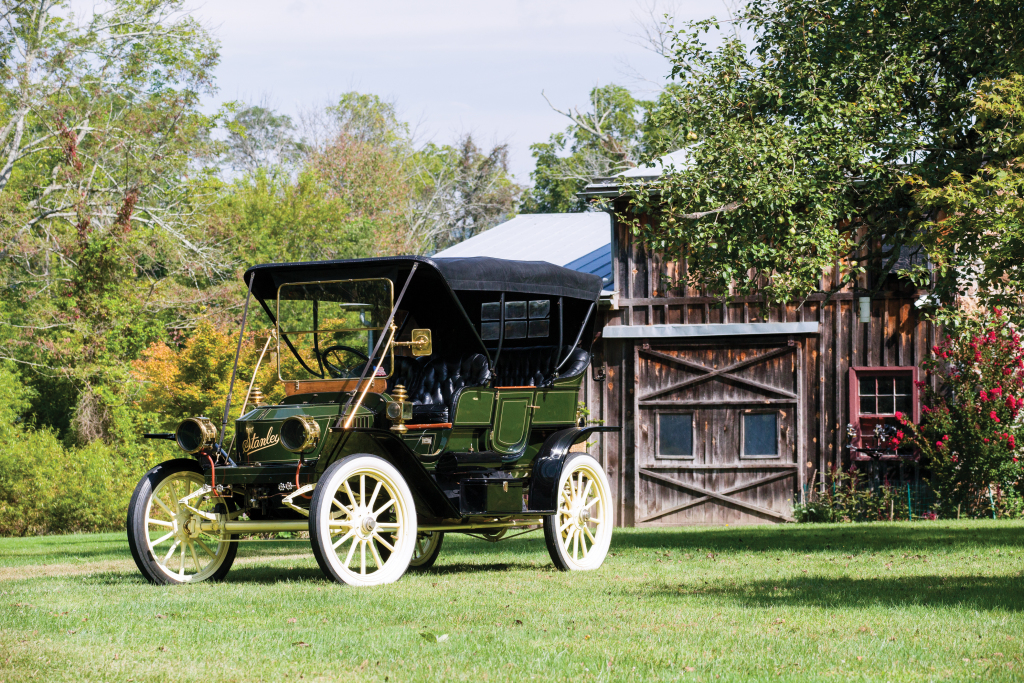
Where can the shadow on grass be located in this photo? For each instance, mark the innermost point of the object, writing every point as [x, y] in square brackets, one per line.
[970, 592]
[879, 537]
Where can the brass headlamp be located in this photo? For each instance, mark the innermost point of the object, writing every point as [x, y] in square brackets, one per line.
[300, 433]
[194, 434]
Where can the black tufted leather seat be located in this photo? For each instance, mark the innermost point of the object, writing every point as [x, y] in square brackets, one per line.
[535, 366]
[433, 384]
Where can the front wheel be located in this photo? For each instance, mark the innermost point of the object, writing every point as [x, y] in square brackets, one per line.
[579, 534]
[362, 522]
[164, 535]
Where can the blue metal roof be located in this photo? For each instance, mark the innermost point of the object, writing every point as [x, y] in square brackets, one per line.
[580, 241]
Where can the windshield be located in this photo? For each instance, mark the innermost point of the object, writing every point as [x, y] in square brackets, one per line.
[331, 327]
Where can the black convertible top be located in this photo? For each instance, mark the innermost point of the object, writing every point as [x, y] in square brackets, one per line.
[482, 274]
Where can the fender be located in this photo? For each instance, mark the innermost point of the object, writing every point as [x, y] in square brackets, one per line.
[429, 497]
[547, 466]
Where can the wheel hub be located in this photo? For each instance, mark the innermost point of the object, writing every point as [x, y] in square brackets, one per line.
[368, 525]
[584, 516]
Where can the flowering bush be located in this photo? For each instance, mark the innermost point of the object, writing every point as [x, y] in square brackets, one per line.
[971, 429]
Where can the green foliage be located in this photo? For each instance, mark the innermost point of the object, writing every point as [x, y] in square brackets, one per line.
[602, 142]
[972, 431]
[271, 216]
[810, 149]
[49, 487]
[848, 497]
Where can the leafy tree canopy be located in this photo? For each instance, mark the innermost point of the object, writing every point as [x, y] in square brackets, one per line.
[848, 135]
[606, 140]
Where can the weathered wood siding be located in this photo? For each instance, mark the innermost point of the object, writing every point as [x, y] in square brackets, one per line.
[651, 290]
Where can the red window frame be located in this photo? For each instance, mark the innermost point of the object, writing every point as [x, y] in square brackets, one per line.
[854, 394]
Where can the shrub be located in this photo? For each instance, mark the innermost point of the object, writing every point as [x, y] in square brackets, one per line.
[847, 498]
[970, 432]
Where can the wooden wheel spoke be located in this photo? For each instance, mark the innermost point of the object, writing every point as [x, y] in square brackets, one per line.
[181, 567]
[387, 545]
[351, 496]
[388, 525]
[206, 549]
[170, 553]
[373, 497]
[156, 499]
[195, 556]
[162, 539]
[376, 553]
[383, 508]
[160, 522]
[567, 523]
[586, 490]
[592, 503]
[351, 551]
[350, 534]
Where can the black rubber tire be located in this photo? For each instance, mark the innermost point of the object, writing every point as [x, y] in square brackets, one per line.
[428, 561]
[137, 530]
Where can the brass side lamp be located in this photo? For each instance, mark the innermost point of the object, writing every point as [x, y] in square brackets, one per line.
[399, 410]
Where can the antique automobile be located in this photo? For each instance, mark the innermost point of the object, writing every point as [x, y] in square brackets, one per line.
[423, 397]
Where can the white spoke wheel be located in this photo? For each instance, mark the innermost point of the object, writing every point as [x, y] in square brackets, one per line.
[428, 546]
[579, 534]
[165, 537]
[362, 522]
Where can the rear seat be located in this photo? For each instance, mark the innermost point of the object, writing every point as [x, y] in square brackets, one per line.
[535, 366]
[433, 384]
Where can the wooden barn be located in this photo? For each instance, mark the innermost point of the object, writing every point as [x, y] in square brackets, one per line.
[732, 411]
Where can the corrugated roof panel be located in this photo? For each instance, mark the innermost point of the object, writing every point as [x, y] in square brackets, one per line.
[580, 241]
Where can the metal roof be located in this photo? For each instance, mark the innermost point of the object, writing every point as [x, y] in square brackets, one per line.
[578, 241]
[709, 330]
[610, 186]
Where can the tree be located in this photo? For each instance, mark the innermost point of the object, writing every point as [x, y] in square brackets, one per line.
[459, 192]
[602, 142]
[815, 148]
[259, 137]
[100, 130]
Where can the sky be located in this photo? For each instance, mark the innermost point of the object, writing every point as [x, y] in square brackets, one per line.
[451, 66]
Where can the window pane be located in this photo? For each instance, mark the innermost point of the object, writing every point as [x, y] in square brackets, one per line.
[903, 385]
[867, 405]
[675, 434]
[885, 385]
[538, 328]
[867, 386]
[540, 309]
[490, 311]
[886, 405]
[489, 331]
[515, 329]
[515, 310]
[903, 404]
[760, 434]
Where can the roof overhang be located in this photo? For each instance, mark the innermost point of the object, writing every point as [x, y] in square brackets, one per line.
[713, 330]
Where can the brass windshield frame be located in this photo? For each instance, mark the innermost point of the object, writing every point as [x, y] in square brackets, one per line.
[277, 324]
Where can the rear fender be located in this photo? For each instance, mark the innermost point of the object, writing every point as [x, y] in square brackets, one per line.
[547, 466]
[429, 498]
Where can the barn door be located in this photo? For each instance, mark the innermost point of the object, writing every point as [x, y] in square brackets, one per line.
[717, 432]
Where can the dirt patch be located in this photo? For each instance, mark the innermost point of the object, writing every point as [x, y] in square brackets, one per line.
[116, 566]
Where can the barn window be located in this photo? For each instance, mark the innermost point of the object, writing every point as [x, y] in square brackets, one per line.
[760, 435]
[884, 394]
[675, 435]
[876, 395]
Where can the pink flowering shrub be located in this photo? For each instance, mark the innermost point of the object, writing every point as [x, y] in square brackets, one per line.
[971, 428]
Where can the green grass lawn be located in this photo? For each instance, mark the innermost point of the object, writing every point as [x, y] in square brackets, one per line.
[887, 602]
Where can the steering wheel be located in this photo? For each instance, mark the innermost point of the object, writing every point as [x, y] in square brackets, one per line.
[334, 370]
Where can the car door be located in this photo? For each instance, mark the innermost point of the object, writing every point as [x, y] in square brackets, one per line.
[512, 417]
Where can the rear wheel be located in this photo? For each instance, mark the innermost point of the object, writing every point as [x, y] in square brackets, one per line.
[164, 534]
[362, 522]
[579, 534]
[428, 547]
